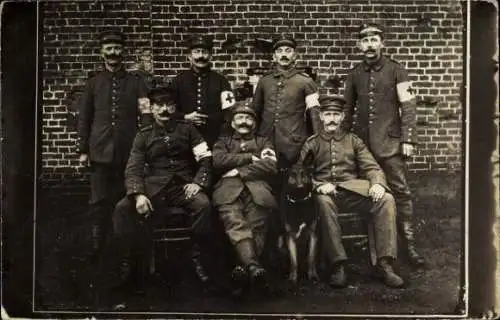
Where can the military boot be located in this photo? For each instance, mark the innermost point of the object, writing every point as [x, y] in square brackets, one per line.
[338, 278]
[246, 252]
[200, 271]
[408, 235]
[385, 272]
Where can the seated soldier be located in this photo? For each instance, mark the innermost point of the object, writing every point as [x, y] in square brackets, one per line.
[161, 172]
[243, 196]
[346, 177]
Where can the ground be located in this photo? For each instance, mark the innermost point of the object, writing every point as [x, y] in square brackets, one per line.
[63, 279]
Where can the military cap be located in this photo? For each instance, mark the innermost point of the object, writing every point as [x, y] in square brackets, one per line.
[242, 107]
[285, 40]
[369, 29]
[161, 95]
[331, 103]
[199, 41]
[111, 36]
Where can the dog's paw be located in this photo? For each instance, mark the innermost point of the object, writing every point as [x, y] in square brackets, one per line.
[292, 277]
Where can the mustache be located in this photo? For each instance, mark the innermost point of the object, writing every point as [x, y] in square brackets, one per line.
[244, 125]
[370, 51]
[205, 60]
[332, 122]
[113, 56]
[284, 59]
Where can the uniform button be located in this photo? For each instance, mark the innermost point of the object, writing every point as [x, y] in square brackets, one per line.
[199, 101]
[199, 108]
[112, 123]
[370, 121]
[199, 95]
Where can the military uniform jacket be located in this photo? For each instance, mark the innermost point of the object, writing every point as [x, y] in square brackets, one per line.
[280, 102]
[207, 92]
[234, 152]
[374, 111]
[342, 159]
[159, 155]
[109, 114]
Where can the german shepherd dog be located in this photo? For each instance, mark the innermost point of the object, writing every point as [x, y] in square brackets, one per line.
[300, 219]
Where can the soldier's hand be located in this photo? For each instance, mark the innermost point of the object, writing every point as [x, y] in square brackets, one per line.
[84, 159]
[407, 149]
[196, 118]
[143, 205]
[376, 192]
[327, 188]
[231, 173]
[191, 189]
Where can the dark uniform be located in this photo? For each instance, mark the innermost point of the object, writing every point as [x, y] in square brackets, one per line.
[381, 110]
[162, 161]
[280, 102]
[205, 91]
[109, 110]
[244, 202]
[342, 159]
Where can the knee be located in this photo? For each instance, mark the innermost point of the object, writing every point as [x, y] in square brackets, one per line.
[324, 204]
[388, 203]
[123, 207]
[202, 202]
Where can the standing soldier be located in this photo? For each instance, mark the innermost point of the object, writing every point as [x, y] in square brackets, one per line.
[282, 100]
[381, 110]
[243, 196]
[110, 107]
[201, 93]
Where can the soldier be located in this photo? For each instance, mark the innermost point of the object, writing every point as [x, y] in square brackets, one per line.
[160, 173]
[111, 104]
[201, 93]
[346, 177]
[283, 99]
[381, 110]
[243, 196]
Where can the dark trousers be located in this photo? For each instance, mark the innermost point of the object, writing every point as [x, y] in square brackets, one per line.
[134, 230]
[106, 188]
[382, 216]
[243, 219]
[396, 172]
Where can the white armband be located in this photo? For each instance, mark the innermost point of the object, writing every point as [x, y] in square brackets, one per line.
[144, 105]
[312, 100]
[405, 91]
[201, 151]
[227, 99]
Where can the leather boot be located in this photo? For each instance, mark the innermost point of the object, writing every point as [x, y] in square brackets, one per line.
[338, 278]
[384, 271]
[200, 271]
[246, 252]
[408, 235]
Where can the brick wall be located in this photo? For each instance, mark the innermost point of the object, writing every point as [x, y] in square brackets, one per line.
[425, 36]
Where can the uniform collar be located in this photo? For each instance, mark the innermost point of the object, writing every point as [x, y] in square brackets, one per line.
[286, 74]
[337, 135]
[120, 73]
[238, 136]
[203, 73]
[379, 64]
[169, 126]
